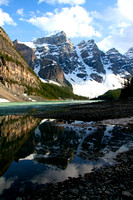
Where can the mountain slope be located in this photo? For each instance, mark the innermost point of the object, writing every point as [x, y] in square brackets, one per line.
[7, 95]
[18, 81]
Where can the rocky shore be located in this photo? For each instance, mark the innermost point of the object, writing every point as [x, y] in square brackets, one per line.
[110, 183]
[90, 111]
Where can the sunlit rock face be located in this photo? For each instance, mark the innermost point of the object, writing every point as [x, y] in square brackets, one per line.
[15, 73]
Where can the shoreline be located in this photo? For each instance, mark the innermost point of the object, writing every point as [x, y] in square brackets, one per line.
[105, 183]
[96, 111]
[113, 182]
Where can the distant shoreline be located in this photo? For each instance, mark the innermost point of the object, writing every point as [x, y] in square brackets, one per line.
[94, 111]
[91, 111]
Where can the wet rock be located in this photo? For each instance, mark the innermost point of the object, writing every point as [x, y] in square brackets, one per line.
[127, 194]
[112, 182]
[74, 191]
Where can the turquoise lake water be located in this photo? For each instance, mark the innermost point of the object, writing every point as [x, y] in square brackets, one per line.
[24, 107]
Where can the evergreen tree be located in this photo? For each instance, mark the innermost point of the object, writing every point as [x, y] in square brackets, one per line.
[127, 91]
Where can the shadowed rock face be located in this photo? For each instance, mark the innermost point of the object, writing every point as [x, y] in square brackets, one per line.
[54, 55]
[59, 49]
[118, 60]
[51, 71]
[91, 55]
[27, 53]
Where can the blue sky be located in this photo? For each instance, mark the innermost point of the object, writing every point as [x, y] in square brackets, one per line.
[108, 22]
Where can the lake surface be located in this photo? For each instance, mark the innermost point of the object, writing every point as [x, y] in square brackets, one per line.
[24, 107]
[40, 151]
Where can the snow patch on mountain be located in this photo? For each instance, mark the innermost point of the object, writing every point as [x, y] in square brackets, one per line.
[37, 68]
[3, 100]
[90, 71]
[49, 81]
[91, 88]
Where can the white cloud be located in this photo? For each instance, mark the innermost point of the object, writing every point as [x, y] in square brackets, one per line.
[122, 10]
[6, 19]
[121, 40]
[5, 183]
[71, 2]
[126, 8]
[20, 12]
[4, 2]
[121, 29]
[74, 21]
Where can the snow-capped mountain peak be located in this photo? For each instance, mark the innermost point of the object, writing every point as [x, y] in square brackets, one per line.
[90, 71]
[129, 53]
[56, 39]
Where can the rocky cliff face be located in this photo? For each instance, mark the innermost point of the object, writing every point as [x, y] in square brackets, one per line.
[15, 73]
[53, 55]
[27, 53]
[91, 55]
[90, 71]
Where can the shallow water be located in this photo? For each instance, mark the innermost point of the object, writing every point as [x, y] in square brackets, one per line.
[35, 151]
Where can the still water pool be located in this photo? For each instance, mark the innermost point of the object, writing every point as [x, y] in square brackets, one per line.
[40, 151]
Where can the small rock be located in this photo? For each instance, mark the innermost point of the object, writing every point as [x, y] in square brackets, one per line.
[127, 194]
[74, 191]
[107, 192]
[59, 197]
[84, 198]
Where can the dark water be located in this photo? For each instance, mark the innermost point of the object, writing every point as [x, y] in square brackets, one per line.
[35, 151]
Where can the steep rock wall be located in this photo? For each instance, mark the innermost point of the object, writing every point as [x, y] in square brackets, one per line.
[14, 70]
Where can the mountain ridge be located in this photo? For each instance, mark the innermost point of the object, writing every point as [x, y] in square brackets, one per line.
[90, 71]
[18, 81]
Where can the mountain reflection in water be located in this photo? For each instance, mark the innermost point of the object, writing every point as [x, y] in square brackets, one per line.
[14, 132]
[35, 151]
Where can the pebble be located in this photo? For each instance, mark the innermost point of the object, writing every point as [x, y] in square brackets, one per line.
[127, 194]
